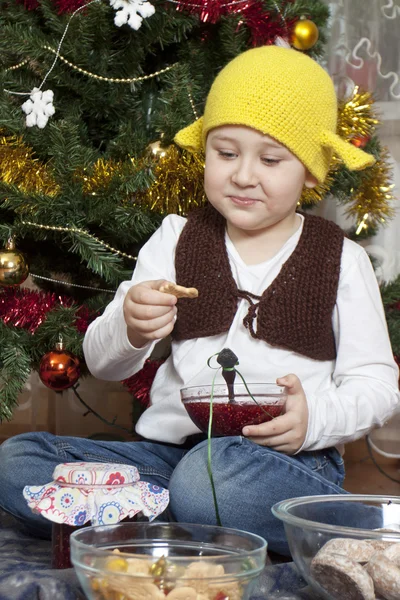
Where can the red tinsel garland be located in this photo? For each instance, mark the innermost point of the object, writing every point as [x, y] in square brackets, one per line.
[140, 384]
[84, 318]
[27, 309]
[63, 6]
[210, 11]
[264, 26]
[29, 4]
[69, 6]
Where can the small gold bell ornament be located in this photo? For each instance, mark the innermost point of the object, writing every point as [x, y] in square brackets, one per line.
[13, 266]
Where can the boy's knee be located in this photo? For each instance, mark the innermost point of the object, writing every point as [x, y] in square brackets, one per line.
[19, 460]
[192, 470]
[244, 476]
[12, 452]
[12, 448]
[14, 458]
[19, 446]
[190, 487]
[21, 465]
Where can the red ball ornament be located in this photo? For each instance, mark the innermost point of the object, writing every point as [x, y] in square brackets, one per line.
[59, 369]
[360, 141]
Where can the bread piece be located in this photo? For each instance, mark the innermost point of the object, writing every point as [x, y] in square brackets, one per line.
[179, 291]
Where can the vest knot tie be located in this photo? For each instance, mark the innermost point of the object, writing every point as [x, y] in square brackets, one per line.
[248, 321]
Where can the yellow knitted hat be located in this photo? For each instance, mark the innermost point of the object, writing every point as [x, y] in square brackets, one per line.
[284, 94]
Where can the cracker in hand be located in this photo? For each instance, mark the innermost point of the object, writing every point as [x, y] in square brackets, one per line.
[179, 291]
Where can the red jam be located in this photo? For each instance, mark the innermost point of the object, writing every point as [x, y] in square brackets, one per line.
[230, 418]
[60, 547]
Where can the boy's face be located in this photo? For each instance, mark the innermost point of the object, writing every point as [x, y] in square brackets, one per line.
[251, 179]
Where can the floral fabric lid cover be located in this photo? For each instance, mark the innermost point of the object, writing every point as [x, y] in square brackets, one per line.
[98, 492]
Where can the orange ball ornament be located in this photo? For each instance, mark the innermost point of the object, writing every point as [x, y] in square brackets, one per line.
[13, 266]
[360, 141]
[305, 34]
[59, 369]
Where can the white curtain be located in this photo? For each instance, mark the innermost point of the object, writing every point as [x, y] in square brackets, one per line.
[364, 46]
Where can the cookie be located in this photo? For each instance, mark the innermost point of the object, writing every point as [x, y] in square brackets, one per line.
[361, 551]
[179, 291]
[385, 575]
[393, 553]
[183, 593]
[342, 577]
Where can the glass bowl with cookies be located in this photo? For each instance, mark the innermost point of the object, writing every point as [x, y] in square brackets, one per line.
[167, 561]
[230, 408]
[345, 546]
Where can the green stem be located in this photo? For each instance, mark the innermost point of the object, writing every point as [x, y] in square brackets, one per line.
[209, 359]
[251, 395]
[209, 453]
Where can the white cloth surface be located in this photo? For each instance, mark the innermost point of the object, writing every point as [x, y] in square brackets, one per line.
[346, 397]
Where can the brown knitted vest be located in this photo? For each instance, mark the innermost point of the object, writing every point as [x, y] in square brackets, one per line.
[294, 312]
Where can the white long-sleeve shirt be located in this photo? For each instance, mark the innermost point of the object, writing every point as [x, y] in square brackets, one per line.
[346, 397]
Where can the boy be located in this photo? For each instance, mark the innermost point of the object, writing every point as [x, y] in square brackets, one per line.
[287, 293]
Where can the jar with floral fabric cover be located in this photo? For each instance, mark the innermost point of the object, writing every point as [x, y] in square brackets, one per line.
[83, 494]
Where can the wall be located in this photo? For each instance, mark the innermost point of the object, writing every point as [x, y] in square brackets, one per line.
[41, 409]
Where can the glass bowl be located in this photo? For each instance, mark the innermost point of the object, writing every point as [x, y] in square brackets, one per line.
[230, 415]
[167, 561]
[339, 543]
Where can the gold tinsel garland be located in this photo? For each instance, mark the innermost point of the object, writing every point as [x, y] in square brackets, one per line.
[356, 119]
[178, 185]
[178, 175]
[312, 196]
[371, 201]
[19, 167]
[99, 176]
[356, 116]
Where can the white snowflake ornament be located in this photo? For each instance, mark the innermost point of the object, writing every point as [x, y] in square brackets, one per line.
[131, 12]
[39, 108]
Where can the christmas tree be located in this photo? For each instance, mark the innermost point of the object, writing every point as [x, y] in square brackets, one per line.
[93, 93]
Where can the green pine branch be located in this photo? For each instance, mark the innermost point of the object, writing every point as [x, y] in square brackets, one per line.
[97, 258]
[391, 301]
[15, 367]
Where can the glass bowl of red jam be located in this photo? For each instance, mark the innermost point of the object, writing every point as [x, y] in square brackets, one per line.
[233, 408]
[167, 561]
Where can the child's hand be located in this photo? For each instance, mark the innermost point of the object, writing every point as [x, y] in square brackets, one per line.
[287, 432]
[148, 313]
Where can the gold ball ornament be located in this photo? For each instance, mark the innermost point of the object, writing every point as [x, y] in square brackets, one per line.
[305, 34]
[156, 151]
[59, 369]
[13, 266]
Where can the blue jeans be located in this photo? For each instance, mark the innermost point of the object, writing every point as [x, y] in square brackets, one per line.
[249, 478]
